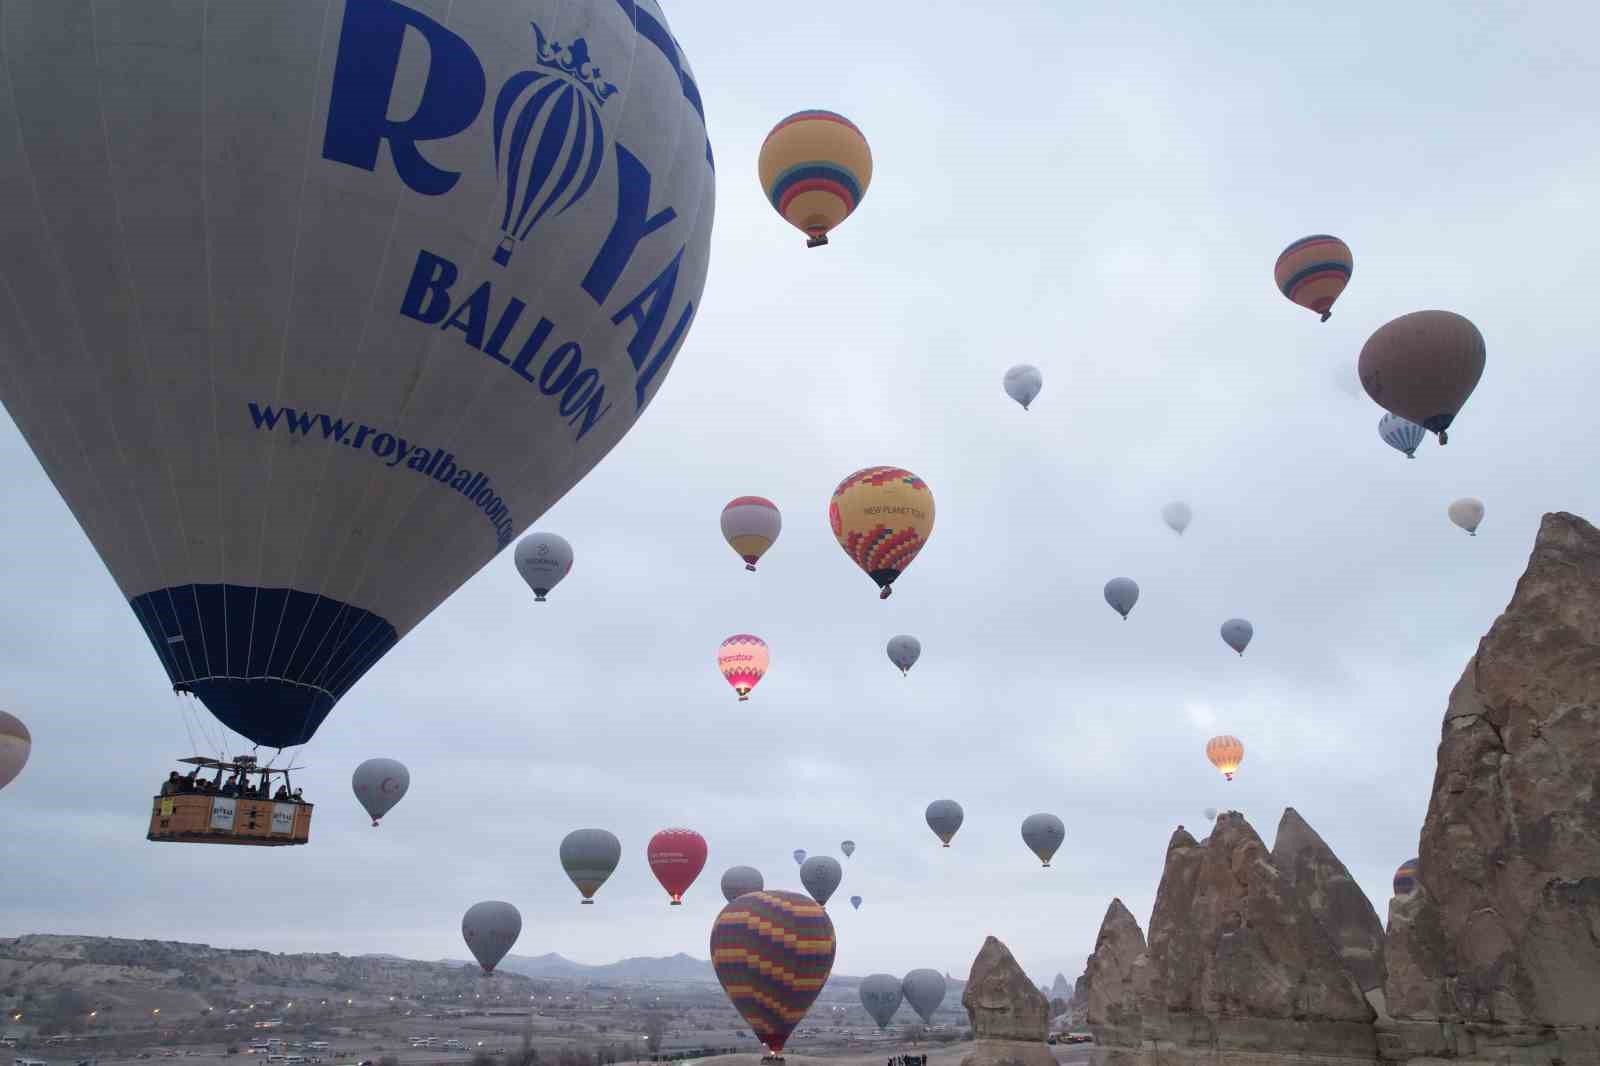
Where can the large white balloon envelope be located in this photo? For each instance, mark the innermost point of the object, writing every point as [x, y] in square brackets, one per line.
[313, 308]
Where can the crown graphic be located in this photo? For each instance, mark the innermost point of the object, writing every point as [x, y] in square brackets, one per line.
[573, 60]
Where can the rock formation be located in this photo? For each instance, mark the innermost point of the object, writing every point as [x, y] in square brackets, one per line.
[1059, 989]
[1112, 1008]
[1325, 887]
[1499, 948]
[1009, 1014]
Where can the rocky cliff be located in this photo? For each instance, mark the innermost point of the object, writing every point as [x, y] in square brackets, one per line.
[1008, 1012]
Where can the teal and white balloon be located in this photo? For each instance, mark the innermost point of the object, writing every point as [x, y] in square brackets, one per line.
[312, 308]
[379, 784]
[1022, 383]
[543, 559]
[904, 651]
[1122, 593]
[1401, 435]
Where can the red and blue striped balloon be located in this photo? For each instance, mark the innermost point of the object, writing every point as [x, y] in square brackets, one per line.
[1313, 271]
[815, 167]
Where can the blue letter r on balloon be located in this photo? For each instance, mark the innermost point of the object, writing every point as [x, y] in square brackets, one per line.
[363, 81]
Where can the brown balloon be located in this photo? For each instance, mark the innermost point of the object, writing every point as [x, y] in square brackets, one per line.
[1423, 366]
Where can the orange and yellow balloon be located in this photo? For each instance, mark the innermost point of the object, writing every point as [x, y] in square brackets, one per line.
[815, 167]
[881, 517]
[1225, 753]
[743, 661]
[1313, 271]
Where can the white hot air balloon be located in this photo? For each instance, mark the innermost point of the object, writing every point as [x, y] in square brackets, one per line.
[904, 651]
[312, 308]
[1022, 383]
[379, 784]
[1468, 514]
[543, 559]
[1401, 435]
[1177, 515]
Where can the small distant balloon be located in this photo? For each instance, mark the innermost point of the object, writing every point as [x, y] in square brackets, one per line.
[751, 524]
[490, 928]
[1401, 435]
[1405, 878]
[799, 856]
[1022, 383]
[855, 901]
[379, 784]
[743, 659]
[589, 857]
[543, 559]
[1043, 833]
[1122, 593]
[904, 651]
[944, 818]
[1313, 271]
[848, 847]
[1211, 814]
[738, 880]
[882, 516]
[1236, 634]
[1177, 516]
[815, 167]
[1423, 366]
[880, 995]
[15, 745]
[676, 857]
[1225, 753]
[1468, 514]
[820, 876]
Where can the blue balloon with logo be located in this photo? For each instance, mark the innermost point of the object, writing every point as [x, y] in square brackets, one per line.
[313, 309]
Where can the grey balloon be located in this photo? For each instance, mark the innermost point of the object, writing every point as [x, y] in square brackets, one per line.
[1043, 833]
[848, 847]
[589, 856]
[1022, 383]
[1236, 633]
[799, 856]
[741, 879]
[904, 651]
[881, 996]
[855, 901]
[490, 928]
[1211, 814]
[944, 818]
[1177, 516]
[820, 875]
[924, 990]
[379, 784]
[1122, 593]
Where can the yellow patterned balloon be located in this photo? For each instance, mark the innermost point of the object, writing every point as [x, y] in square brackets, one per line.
[881, 517]
[815, 167]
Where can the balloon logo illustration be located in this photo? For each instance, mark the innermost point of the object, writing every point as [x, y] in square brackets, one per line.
[548, 141]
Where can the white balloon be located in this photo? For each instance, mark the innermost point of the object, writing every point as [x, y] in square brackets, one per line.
[1467, 513]
[904, 651]
[1022, 383]
[1400, 434]
[543, 559]
[306, 322]
[380, 784]
[1177, 516]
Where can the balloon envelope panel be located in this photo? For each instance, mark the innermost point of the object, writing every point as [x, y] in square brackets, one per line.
[772, 952]
[291, 390]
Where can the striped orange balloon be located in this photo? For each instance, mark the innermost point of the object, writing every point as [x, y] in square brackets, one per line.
[772, 952]
[1225, 753]
[1313, 271]
[815, 167]
[882, 516]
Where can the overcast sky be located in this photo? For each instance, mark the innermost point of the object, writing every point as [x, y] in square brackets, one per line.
[1098, 193]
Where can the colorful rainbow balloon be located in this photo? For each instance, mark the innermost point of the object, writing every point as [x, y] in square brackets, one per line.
[815, 167]
[772, 952]
[1313, 271]
[882, 516]
[743, 660]
[1405, 878]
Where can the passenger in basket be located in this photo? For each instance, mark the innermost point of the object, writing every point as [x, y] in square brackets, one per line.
[172, 784]
[282, 795]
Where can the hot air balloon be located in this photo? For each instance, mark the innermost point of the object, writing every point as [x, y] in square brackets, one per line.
[882, 516]
[773, 952]
[924, 990]
[815, 167]
[904, 651]
[1043, 833]
[1122, 593]
[1423, 366]
[1022, 383]
[589, 856]
[1177, 516]
[1313, 271]
[676, 858]
[543, 559]
[743, 660]
[820, 876]
[1236, 634]
[1468, 514]
[737, 880]
[1405, 878]
[855, 901]
[1401, 435]
[881, 997]
[15, 744]
[1211, 814]
[379, 784]
[848, 847]
[490, 928]
[1225, 753]
[295, 411]
[799, 856]
[750, 524]
[944, 818]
